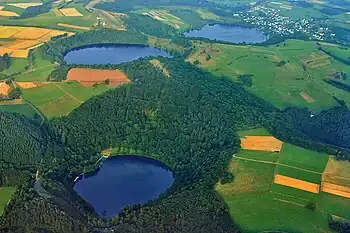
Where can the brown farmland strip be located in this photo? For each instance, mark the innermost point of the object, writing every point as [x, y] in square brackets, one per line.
[296, 183]
[335, 189]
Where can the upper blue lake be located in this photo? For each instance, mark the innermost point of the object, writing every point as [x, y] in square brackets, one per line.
[122, 181]
[111, 54]
[229, 33]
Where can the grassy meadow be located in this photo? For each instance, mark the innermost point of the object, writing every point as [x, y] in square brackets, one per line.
[5, 197]
[257, 204]
[59, 99]
[289, 73]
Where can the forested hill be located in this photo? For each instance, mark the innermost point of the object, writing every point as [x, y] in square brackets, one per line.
[25, 145]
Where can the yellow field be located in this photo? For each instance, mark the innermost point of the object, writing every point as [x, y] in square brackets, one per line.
[8, 13]
[70, 12]
[337, 172]
[25, 5]
[165, 16]
[73, 26]
[4, 89]
[335, 189]
[28, 85]
[264, 143]
[296, 183]
[319, 63]
[1, 7]
[25, 38]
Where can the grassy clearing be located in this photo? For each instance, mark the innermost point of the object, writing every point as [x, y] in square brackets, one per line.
[83, 93]
[42, 94]
[279, 76]
[17, 65]
[5, 197]
[254, 132]
[298, 157]
[24, 109]
[37, 74]
[263, 212]
[250, 177]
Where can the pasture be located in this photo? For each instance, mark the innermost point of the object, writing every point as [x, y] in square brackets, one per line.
[287, 73]
[5, 197]
[22, 108]
[59, 99]
[271, 190]
[89, 77]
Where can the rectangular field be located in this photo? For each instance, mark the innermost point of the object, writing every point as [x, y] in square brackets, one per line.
[296, 183]
[302, 158]
[259, 155]
[73, 26]
[88, 77]
[337, 172]
[338, 190]
[70, 12]
[264, 143]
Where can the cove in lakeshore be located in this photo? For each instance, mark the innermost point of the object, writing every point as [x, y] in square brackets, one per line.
[102, 54]
[229, 33]
[122, 181]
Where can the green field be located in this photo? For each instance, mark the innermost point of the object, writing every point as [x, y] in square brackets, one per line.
[256, 204]
[5, 197]
[302, 158]
[17, 65]
[59, 99]
[259, 155]
[281, 74]
[255, 208]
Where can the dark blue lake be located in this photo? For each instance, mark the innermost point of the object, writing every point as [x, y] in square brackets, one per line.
[111, 54]
[122, 181]
[229, 33]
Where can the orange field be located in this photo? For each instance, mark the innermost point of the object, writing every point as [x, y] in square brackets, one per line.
[70, 12]
[25, 39]
[335, 189]
[8, 13]
[88, 77]
[296, 183]
[264, 143]
[4, 89]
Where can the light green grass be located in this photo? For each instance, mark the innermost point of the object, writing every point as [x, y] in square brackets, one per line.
[250, 177]
[59, 107]
[24, 109]
[15, 9]
[298, 193]
[299, 174]
[42, 94]
[261, 212]
[259, 155]
[254, 132]
[298, 157]
[83, 93]
[37, 74]
[5, 197]
[17, 65]
[280, 85]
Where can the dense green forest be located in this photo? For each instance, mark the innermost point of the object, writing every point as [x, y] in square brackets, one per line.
[5, 62]
[184, 120]
[36, 10]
